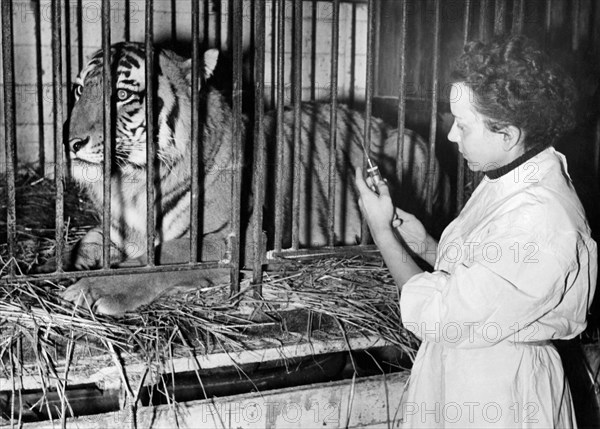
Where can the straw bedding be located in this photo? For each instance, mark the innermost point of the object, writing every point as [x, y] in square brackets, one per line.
[38, 329]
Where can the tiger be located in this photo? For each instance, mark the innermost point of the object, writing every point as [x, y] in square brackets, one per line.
[172, 184]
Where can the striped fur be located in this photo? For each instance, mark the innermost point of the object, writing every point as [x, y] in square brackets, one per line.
[409, 190]
[172, 186]
[173, 128]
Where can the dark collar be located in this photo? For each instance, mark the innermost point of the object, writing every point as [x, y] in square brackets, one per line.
[501, 171]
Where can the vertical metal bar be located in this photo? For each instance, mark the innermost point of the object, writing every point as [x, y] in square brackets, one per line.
[460, 162]
[518, 12]
[237, 128]
[434, 107]
[58, 124]
[352, 90]
[39, 86]
[259, 140]
[174, 20]
[281, 143]
[68, 54]
[150, 149]
[107, 92]
[368, 95]
[127, 26]
[575, 24]
[597, 149]
[195, 135]
[335, 53]
[10, 134]
[499, 16]
[376, 45]
[483, 14]
[218, 16]
[402, 94]
[273, 54]
[297, 87]
[79, 34]
[548, 19]
[313, 48]
[206, 21]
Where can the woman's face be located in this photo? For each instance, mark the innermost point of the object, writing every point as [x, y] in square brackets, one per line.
[482, 149]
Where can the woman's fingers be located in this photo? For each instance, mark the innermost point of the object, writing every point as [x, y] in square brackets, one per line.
[361, 185]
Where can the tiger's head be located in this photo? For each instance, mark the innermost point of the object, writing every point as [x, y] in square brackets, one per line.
[128, 97]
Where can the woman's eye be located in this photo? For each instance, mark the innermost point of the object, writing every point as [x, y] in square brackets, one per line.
[123, 94]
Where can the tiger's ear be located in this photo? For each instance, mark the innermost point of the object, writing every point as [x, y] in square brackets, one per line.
[210, 63]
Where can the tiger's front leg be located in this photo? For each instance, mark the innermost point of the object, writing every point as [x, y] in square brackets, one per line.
[122, 293]
[88, 254]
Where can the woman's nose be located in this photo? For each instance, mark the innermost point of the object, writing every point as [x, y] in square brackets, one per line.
[453, 133]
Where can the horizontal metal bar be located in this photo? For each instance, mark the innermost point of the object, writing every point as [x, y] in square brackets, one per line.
[118, 271]
[322, 252]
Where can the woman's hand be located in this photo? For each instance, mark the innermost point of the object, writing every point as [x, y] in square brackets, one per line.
[378, 211]
[376, 207]
[415, 235]
[410, 228]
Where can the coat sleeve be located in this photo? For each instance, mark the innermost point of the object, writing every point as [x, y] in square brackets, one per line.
[505, 288]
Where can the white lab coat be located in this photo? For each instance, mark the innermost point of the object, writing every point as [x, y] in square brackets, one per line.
[514, 270]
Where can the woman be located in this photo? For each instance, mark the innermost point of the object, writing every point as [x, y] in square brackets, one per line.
[516, 269]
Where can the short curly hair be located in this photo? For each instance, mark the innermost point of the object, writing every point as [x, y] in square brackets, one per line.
[515, 83]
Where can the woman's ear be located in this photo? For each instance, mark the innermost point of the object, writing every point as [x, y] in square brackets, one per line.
[512, 136]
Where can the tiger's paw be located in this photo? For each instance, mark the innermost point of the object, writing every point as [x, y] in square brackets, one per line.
[123, 293]
[104, 297]
[88, 251]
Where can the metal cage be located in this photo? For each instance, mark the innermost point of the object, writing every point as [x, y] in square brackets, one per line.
[392, 55]
[439, 28]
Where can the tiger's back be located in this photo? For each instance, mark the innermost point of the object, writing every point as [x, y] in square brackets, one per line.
[409, 189]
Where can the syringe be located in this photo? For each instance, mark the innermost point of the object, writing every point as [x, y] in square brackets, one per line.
[372, 169]
[373, 172]
[375, 175]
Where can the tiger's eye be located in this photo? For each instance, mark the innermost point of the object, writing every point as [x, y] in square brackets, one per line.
[122, 94]
[77, 90]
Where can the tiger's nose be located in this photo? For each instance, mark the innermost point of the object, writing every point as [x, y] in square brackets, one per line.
[77, 143]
